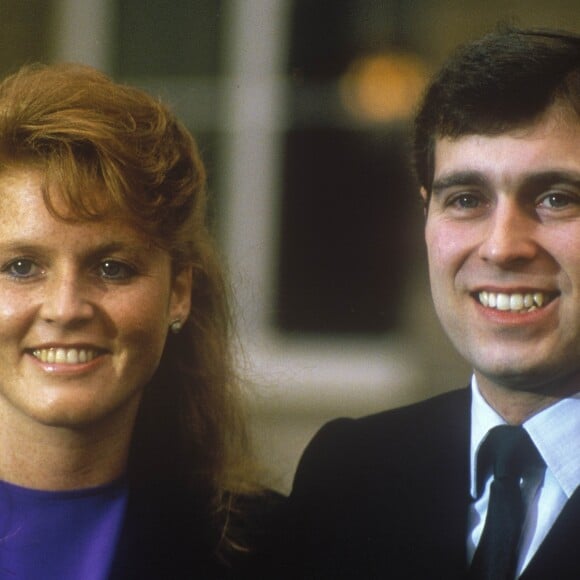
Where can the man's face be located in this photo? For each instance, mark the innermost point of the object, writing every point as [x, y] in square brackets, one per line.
[503, 241]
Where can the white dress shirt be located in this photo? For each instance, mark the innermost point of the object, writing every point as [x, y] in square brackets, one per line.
[556, 433]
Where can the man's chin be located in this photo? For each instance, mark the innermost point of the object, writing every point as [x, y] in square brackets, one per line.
[540, 381]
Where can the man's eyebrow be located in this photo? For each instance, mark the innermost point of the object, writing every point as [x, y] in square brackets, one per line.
[548, 178]
[458, 178]
[537, 179]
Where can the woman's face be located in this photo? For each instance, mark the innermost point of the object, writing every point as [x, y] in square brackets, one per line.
[84, 312]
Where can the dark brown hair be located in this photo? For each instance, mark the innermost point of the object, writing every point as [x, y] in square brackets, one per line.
[503, 81]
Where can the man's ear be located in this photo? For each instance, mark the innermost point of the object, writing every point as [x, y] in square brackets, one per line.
[425, 198]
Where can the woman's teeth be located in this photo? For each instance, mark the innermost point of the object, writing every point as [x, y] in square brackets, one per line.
[70, 356]
[513, 302]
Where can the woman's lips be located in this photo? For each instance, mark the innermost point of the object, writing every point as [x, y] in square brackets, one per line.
[62, 355]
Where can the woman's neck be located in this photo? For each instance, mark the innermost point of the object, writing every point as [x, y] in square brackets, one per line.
[58, 458]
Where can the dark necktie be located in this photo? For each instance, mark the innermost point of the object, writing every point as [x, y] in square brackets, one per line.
[512, 454]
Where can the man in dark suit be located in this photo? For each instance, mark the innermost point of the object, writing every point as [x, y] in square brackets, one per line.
[481, 481]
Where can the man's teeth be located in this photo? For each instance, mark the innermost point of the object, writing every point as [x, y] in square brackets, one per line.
[513, 302]
[71, 356]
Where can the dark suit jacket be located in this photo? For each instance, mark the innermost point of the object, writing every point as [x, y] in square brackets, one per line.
[387, 497]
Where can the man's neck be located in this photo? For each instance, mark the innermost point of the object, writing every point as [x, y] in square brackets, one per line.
[516, 404]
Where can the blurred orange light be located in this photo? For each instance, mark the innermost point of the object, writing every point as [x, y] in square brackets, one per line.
[383, 87]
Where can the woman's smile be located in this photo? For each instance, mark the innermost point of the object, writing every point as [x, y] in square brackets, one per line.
[65, 355]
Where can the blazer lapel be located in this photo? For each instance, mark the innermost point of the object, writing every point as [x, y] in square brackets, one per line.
[165, 535]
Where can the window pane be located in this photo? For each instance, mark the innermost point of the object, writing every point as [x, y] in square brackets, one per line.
[348, 196]
[157, 38]
[25, 27]
[346, 207]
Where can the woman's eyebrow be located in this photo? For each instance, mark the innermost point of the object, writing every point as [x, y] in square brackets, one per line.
[25, 245]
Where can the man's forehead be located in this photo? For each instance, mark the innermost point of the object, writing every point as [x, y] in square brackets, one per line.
[550, 143]
[561, 118]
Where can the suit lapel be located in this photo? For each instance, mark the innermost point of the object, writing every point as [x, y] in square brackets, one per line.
[448, 519]
[559, 555]
[434, 498]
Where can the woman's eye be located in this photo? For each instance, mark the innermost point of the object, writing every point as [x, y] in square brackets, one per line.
[115, 270]
[21, 268]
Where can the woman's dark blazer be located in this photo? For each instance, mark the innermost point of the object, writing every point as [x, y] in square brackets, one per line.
[169, 535]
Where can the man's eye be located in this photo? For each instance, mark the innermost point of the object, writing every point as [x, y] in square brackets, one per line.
[21, 268]
[466, 201]
[556, 201]
[115, 270]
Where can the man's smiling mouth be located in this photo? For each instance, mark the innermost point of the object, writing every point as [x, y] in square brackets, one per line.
[514, 302]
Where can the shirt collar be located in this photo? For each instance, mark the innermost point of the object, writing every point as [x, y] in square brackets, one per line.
[555, 431]
[483, 418]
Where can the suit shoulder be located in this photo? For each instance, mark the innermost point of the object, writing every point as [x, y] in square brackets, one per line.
[422, 418]
[433, 410]
[346, 446]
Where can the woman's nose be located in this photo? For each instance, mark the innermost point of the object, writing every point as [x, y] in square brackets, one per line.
[65, 299]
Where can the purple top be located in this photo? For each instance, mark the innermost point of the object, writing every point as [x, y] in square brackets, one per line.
[64, 535]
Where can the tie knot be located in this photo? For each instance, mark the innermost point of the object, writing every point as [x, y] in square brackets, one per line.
[509, 452]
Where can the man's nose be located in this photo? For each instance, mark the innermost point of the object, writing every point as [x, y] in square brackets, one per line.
[509, 237]
[66, 299]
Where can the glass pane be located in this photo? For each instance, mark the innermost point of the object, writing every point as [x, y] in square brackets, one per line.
[346, 206]
[348, 195]
[157, 38]
[25, 27]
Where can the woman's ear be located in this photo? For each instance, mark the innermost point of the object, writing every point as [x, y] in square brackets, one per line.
[180, 300]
